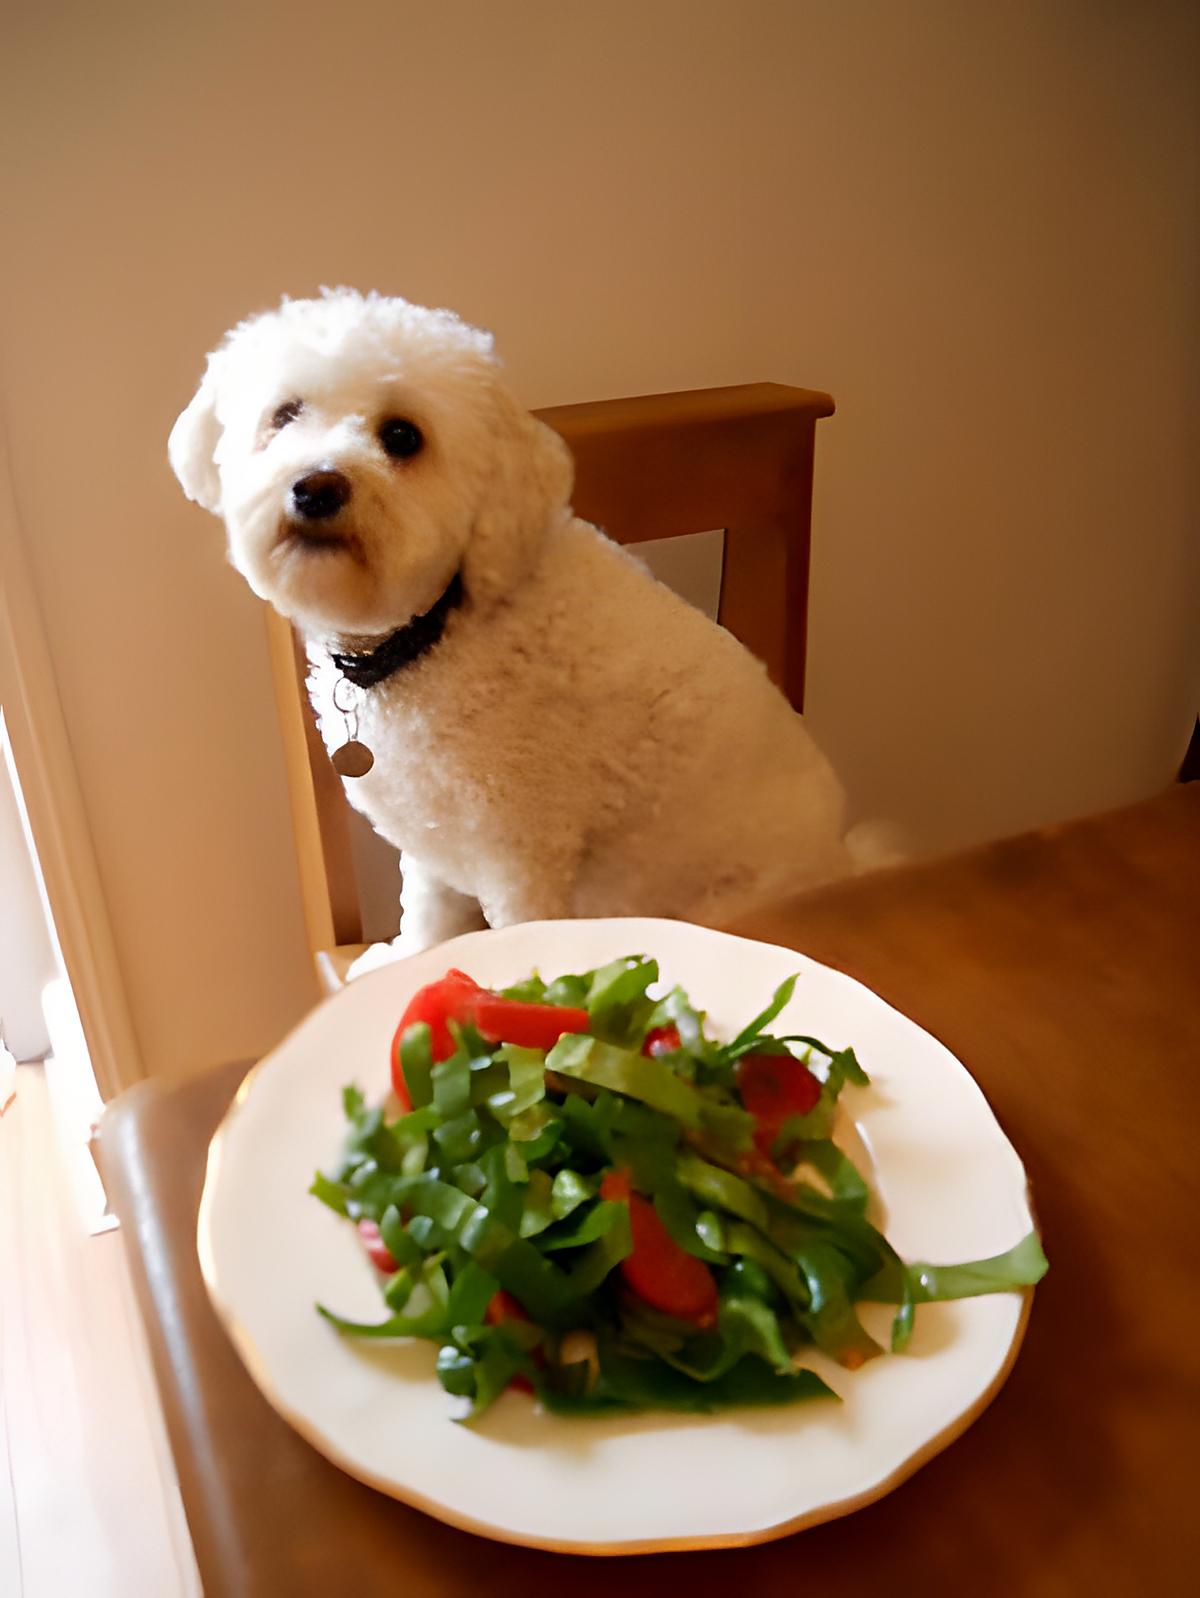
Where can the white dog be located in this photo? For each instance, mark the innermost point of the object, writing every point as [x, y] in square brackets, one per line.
[554, 732]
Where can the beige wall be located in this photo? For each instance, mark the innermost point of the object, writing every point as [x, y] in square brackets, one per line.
[973, 223]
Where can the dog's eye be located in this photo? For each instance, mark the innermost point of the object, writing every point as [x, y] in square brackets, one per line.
[400, 438]
[286, 413]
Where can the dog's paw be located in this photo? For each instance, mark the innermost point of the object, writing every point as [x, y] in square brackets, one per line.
[379, 954]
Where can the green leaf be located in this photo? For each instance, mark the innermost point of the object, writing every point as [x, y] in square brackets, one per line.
[902, 1327]
[619, 1008]
[748, 1037]
[470, 1177]
[723, 1190]
[570, 991]
[641, 1383]
[746, 1279]
[489, 1082]
[370, 1139]
[844, 1067]
[651, 1082]
[681, 1217]
[676, 1010]
[832, 1319]
[745, 1326]
[415, 1123]
[569, 1191]
[615, 986]
[331, 1193]
[752, 1327]
[452, 1085]
[746, 1240]
[586, 1226]
[588, 1127]
[397, 1240]
[531, 1126]
[426, 1233]
[537, 1214]
[622, 1071]
[460, 1137]
[503, 1198]
[416, 1063]
[369, 1190]
[515, 1262]
[429, 1321]
[516, 1166]
[1021, 1266]
[710, 1229]
[471, 1291]
[526, 1079]
[480, 1362]
[598, 1259]
[399, 1288]
[813, 1127]
[456, 1371]
[838, 1170]
[649, 1153]
[428, 1324]
[653, 1329]
[531, 991]
[833, 1067]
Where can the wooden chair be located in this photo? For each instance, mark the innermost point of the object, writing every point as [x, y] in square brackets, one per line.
[651, 467]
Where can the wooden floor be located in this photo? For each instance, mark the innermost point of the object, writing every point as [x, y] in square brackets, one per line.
[89, 1504]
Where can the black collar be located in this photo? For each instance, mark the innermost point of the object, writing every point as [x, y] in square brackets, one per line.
[408, 643]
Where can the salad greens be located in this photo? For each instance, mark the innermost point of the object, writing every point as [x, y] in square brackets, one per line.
[528, 1195]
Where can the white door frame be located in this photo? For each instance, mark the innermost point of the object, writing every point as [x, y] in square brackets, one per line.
[57, 816]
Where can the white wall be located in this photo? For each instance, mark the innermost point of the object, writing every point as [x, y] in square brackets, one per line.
[974, 224]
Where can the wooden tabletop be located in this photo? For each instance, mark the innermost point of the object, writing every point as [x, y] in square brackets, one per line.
[1063, 968]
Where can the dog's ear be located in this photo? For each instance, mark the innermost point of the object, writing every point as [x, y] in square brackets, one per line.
[193, 442]
[527, 487]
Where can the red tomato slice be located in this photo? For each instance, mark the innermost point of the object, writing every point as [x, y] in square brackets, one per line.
[503, 1307]
[615, 1186]
[458, 997]
[661, 1040]
[448, 999]
[377, 1250]
[533, 1026]
[660, 1272]
[772, 1088]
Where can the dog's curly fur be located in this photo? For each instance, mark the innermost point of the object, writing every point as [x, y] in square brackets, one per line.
[580, 742]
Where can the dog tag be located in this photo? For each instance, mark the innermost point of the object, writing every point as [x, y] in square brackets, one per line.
[352, 759]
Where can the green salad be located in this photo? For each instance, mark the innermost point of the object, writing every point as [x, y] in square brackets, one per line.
[575, 1190]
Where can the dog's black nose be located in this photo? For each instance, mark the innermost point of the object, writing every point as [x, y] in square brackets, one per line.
[320, 494]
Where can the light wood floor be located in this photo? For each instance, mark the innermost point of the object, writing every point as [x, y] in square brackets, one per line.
[89, 1503]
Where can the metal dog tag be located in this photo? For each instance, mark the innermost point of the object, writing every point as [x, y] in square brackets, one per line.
[352, 759]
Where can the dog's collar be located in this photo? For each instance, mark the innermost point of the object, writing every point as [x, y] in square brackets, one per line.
[369, 667]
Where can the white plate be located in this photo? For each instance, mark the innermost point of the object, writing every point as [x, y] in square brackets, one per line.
[951, 1187]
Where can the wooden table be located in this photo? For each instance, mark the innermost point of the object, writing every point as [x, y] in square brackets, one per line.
[1063, 967]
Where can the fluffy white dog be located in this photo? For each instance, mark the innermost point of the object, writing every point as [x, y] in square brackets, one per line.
[554, 732]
